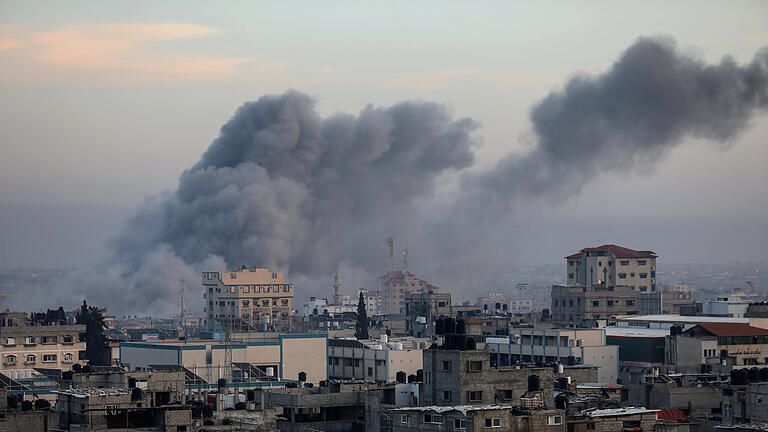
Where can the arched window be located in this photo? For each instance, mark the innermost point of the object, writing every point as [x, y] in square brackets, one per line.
[30, 358]
[68, 357]
[10, 359]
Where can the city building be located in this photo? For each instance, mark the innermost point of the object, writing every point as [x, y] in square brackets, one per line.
[263, 358]
[477, 418]
[611, 265]
[745, 403]
[565, 346]
[497, 303]
[742, 343]
[395, 284]
[614, 419]
[466, 377]
[725, 307]
[422, 309]
[249, 294]
[24, 347]
[378, 361]
[335, 406]
[581, 306]
[666, 321]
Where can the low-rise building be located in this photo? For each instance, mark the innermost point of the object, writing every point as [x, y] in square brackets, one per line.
[477, 418]
[456, 377]
[745, 403]
[378, 361]
[422, 309]
[566, 346]
[742, 343]
[337, 406]
[497, 303]
[614, 419]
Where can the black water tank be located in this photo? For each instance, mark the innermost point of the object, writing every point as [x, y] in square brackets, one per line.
[291, 385]
[208, 411]
[562, 382]
[738, 377]
[400, 377]
[450, 326]
[222, 382]
[420, 375]
[26, 405]
[440, 326]
[251, 395]
[471, 344]
[534, 383]
[571, 360]
[13, 401]
[449, 341]
[131, 382]
[764, 374]
[136, 394]
[42, 403]
[675, 330]
[308, 385]
[76, 367]
[302, 376]
[323, 383]
[703, 368]
[460, 327]
[461, 342]
[754, 374]
[86, 369]
[411, 378]
[561, 402]
[240, 406]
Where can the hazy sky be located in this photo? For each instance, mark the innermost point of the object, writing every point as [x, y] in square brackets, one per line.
[104, 103]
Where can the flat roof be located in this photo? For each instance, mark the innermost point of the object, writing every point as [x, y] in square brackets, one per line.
[683, 319]
[618, 411]
[464, 409]
[635, 332]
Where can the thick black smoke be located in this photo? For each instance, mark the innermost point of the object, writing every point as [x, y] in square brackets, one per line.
[283, 187]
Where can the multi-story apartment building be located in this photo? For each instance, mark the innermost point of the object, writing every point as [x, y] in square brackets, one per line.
[611, 265]
[394, 286]
[25, 347]
[250, 294]
[602, 283]
[422, 309]
[455, 377]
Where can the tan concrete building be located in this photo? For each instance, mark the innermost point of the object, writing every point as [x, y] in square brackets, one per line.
[374, 360]
[24, 347]
[271, 357]
[603, 282]
[250, 294]
[611, 265]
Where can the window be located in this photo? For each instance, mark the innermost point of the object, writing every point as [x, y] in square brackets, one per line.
[590, 426]
[447, 396]
[570, 275]
[286, 288]
[233, 288]
[475, 366]
[441, 304]
[446, 366]
[555, 420]
[653, 273]
[265, 302]
[624, 262]
[68, 357]
[49, 358]
[284, 302]
[570, 263]
[370, 371]
[233, 275]
[357, 362]
[641, 262]
[610, 302]
[29, 340]
[246, 302]
[30, 358]
[459, 424]
[643, 288]
[81, 355]
[630, 302]
[643, 275]
[10, 359]
[631, 275]
[405, 419]
[507, 394]
[433, 418]
[10, 341]
[596, 303]
[475, 396]
[493, 422]
[246, 288]
[622, 275]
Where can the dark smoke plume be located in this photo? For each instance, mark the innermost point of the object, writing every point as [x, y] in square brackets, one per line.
[283, 187]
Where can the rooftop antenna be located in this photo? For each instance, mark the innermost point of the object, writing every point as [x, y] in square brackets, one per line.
[391, 273]
[405, 260]
[181, 303]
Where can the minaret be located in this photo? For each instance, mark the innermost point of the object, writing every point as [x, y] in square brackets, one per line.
[336, 290]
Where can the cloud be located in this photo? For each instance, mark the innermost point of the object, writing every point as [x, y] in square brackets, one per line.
[112, 54]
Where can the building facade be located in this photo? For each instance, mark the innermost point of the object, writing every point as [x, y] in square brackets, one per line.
[499, 304]
[252, 295]
[394, 286]
[25, 347]
[611, 265]
[380, 362]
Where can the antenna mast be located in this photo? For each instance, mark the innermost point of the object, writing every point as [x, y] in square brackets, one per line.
[182, 312]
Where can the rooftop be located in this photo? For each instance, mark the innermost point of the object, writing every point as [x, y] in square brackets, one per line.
[464, 409]
[682, 319]
[618, 411]
[635, 332]
[85, 392]
[730, 329]
[617, 251]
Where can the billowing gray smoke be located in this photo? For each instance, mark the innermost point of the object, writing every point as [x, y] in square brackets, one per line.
[283, 187]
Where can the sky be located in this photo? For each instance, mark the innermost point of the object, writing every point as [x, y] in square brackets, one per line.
[103, 104]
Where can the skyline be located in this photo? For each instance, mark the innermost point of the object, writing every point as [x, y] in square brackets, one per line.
[103, 109]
